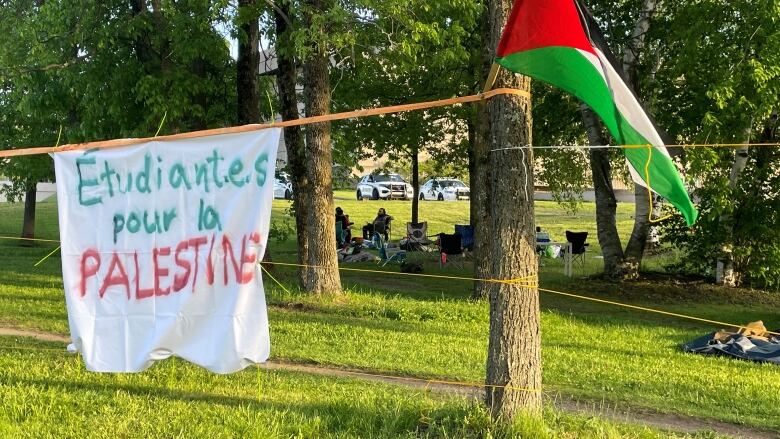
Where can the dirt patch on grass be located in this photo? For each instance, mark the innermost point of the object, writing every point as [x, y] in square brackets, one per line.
[38, 335]
[656, 420]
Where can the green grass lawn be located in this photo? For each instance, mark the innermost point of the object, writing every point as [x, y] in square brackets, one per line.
[48, 394]
[406, 326]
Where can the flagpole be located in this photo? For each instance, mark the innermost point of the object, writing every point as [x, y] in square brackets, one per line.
[491, 79]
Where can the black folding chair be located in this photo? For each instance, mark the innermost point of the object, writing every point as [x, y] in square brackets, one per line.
[578, 246]
[450, 250]
[383, 228]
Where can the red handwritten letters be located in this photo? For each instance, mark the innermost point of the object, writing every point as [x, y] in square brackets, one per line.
[173, 269]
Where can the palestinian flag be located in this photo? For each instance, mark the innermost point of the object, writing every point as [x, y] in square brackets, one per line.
[556, 41]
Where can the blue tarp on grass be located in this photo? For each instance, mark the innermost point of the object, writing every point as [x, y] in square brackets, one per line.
[760, 349]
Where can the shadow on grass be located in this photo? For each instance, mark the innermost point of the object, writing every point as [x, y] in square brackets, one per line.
[34, 278]
[34, 297]
[367, 323]
[335, 414]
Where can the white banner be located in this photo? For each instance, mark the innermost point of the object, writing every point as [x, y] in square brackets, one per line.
[159, 249]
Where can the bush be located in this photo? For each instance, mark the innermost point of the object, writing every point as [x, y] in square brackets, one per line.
[750, 212]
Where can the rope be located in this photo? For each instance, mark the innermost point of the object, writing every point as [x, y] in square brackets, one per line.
[162, 122]
[525, 282]
[29, 239]
[681, 145]
[650, 191]
[528, 281]
[531, 282]
[274, 279]
[47, 256]
[650, 310]
[106, 144]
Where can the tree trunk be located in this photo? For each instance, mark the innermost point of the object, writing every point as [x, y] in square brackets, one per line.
[636, 42]
[514, 346]
[319, 163]
[606, 202]
[725, 266]
[28, 225]
[635, 249]
[287, 79]
[472, 170]
[199, 121]
[142, 43]
[637, 242]
[480, 174]
[248, 63]
[415, 156]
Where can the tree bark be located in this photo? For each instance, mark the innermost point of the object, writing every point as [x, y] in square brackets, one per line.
[287, 79]
[28, 225]
[635, 249]
[415, 156]
[637, 242]
[319, 164]
[248, 63]
[725, 273]
[606, 202]
[636, 42]
[514, 346]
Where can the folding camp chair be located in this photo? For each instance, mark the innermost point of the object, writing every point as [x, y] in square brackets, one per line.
[450, 250]
[386, 255]
[383, 228]
[578, 246]
[466, 231]
[417, 236]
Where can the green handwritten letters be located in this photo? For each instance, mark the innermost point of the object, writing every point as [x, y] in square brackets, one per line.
[100, 179]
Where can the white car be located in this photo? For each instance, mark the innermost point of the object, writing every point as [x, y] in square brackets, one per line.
[283, 187]
[444, 189]
[384, 186]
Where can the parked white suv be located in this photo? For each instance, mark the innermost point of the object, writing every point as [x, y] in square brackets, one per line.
[444, 189]
[283, 187]
[384, 186]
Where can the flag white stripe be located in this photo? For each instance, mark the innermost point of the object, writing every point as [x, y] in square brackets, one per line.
[625, 101]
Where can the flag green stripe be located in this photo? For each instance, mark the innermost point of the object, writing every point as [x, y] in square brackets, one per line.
[568, 69]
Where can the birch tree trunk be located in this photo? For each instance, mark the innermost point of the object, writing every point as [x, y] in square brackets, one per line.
[606, 202]
[636, 42]
[635, 249]
[321, 225]
[514, 348]
[725, 273]
[287, 79]
[637, 242]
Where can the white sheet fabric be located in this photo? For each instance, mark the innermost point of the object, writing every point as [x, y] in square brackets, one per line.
[159, 249]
